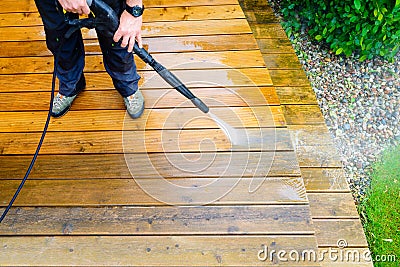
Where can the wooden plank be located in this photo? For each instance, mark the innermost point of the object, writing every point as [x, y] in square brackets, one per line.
[152, 29]
[270, 30]
[254, 5]
[332, 205]
[282, 61]
[173, 220]
[150, 79]
[157, 98]
[303, 114]
[325, 180]
[318, 156]
[330, 231]
[116, 192]
[235, 42]
[310, 135]
[261, 16]
[268, 46]
[151, 15]
[296, 95]
[180, 118]
[291, 78]
[29, 5]
[150, 250]
[172, 61]
[206, 140]
[240, 164]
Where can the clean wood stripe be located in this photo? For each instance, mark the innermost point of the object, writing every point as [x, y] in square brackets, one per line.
[174, 220]
[109, 192]
[150, 250]
[153, 29]
[29, 5]
[205, 140]
[151, 15]
[324, 179]
[172, 61]
[223, 164]
[179, 118]
[157, 98]
[236, 42]
[150, 79]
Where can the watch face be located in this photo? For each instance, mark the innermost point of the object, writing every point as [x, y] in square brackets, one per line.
[137, 11]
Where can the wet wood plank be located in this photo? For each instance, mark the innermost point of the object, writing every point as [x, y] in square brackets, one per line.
[235, 42]
[261, 16]
[223, 164]
[281, 45]
[205, 140]
[172, 61]
[29, 5]
[247, 77]
[187, 118]
[173, 220]
[151, 15]
[129, 191]
[310, 135]
[303, 114]
[157, 98]
[282, 61]
[330, 231]
[151, 250]
[152, 29]
[325, 180]
[332, 205]
[289, 78]
[270, 30]
[296, 95]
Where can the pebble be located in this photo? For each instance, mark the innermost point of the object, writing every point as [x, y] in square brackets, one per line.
[359, 100]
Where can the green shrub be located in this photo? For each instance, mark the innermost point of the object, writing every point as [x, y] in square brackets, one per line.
[366, 27]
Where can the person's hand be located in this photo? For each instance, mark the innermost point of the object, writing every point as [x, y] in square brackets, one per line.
[75, 6]
[130, 29]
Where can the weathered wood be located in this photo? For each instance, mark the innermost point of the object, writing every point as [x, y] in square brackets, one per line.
[296, 95]
[111, 192]
[151, 15]
[174, 220]
[180, 118]
[29, 5]
[303, 114]
[270, 30]
[235, 42]
[261, 16]
[330, 231]
[152, 29]
[332, 205]
[289, 78]
[151, 250]
[157, 98]
[223, 164]
[318, 156]
[172, 61]
[254, 5]
[282, 61]
[310, 135]
[324, 180]
[150, 79]
[205, 140]
[278, 46]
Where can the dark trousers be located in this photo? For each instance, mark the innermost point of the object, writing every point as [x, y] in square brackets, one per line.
[117, 61]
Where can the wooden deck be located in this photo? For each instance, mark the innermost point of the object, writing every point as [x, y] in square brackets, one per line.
[170, 189]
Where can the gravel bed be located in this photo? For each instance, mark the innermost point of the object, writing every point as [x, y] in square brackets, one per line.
[360, 102]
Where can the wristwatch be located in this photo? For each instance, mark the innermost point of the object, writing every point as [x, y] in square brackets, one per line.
[135, 11]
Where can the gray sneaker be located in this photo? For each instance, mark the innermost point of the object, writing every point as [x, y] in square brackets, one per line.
[134, 104]
[61, 105]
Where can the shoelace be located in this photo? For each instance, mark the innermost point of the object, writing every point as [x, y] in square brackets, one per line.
[134, 100]
[58, 101]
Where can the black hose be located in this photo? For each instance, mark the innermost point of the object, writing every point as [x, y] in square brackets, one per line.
[46, 126]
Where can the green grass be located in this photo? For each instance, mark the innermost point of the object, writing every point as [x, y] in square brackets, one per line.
[380, 209]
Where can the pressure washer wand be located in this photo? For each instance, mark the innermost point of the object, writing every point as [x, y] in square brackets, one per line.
[106, 21]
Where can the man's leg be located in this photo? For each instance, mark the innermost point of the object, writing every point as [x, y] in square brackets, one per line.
[120, 65]
[70, 58]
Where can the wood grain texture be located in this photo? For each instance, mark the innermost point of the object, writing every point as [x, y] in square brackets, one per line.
[332, 205]
[247, 77]
[150, 250]
[128, 192]
[296, 95]
[223, 164]
[325, 180]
